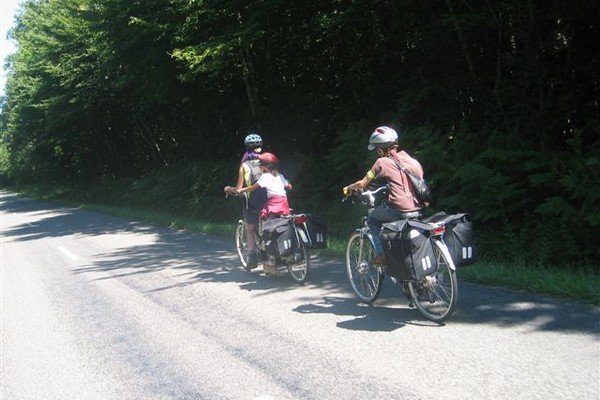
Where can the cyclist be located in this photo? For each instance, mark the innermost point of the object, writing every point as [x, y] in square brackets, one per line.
[253, 144]
[248, 174]
[402, 201]
[277, 203]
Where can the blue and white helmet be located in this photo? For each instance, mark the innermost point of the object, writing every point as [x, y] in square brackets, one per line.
[253, 140]
[383, 137]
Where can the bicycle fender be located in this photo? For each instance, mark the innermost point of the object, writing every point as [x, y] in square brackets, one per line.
[303, 236]
[444, 249]
[366, 233]
[369, 236]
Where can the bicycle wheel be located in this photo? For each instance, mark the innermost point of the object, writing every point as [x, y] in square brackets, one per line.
[365, 278]
[241, 244]
[435, 296]
[299, 264]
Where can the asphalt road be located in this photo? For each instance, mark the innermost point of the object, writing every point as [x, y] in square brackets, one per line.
[99, 307]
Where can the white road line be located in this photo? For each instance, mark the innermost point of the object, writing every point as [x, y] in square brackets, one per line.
[68, 253]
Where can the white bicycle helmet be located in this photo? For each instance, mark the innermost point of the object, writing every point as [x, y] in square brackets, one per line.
[253, 140]
[383, 137]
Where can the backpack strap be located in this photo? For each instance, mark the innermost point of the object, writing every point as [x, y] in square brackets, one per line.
[403, 168]
[407, 172]
[419, 185]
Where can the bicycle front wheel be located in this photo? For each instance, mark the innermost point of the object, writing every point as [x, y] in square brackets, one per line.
[435, 295]
[365, 278]
[241, 244]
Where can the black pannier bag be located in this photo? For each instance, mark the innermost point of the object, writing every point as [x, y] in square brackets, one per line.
[317, 232]
[460, 239]
[279, 236]
[408, 249]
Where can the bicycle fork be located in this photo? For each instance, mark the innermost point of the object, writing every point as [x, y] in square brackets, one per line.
[365, 234]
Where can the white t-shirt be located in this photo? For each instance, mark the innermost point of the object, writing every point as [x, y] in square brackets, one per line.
[275, 185]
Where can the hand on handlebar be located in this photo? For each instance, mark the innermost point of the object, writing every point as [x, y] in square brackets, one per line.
[347, 191]
[231, 190]
[362, 194]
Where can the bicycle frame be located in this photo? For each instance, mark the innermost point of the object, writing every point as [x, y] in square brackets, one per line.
[365, 232]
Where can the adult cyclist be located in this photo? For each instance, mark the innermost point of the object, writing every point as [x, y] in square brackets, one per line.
[248, 174]
[402, 201]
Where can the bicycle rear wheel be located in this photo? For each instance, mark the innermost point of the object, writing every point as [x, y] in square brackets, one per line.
[366, 279]
[241, 244]
[435, 295]
[299, 264]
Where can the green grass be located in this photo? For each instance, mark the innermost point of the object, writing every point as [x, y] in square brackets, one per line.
[579, 284]
[582, 285]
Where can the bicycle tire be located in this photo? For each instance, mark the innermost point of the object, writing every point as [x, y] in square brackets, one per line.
[241, 244]
[435, 296]
[299, 271]
[365, 279]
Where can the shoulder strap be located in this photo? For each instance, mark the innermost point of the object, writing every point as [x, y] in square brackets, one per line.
[403, 168]
[253, 170]
[411, 177]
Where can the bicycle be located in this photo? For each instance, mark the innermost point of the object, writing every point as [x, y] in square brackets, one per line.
[435, 295]
[297, 263]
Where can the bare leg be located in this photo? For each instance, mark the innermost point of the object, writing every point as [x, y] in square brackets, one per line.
[251, 237]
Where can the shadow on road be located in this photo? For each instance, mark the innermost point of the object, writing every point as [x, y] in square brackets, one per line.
[56, 221]
[203, 258]
[366, 317]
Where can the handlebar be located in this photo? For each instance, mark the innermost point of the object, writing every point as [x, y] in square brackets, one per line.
[365, 195]
[235, 194]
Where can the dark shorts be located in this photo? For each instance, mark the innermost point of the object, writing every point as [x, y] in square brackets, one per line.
[251, 215]
[254, 205]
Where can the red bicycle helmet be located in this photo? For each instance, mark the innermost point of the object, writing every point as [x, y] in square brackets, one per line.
[268, 159]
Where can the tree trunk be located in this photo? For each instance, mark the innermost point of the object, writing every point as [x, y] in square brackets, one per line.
[461, 39]
[248, 73]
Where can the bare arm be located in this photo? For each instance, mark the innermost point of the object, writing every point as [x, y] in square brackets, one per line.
[239, 184]
[358, 185]
[240, 181]
[249, 188]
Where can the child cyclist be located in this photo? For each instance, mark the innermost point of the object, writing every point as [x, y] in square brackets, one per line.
[277, 203]
[248, 174]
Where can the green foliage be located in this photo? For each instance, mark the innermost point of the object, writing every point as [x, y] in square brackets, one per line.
[498, 100]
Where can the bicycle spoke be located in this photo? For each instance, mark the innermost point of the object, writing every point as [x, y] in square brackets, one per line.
[364, 285]
[441, 290]
[364, 279]
[444, 291]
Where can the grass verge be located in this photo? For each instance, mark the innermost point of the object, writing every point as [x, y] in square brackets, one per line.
[582, 285]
